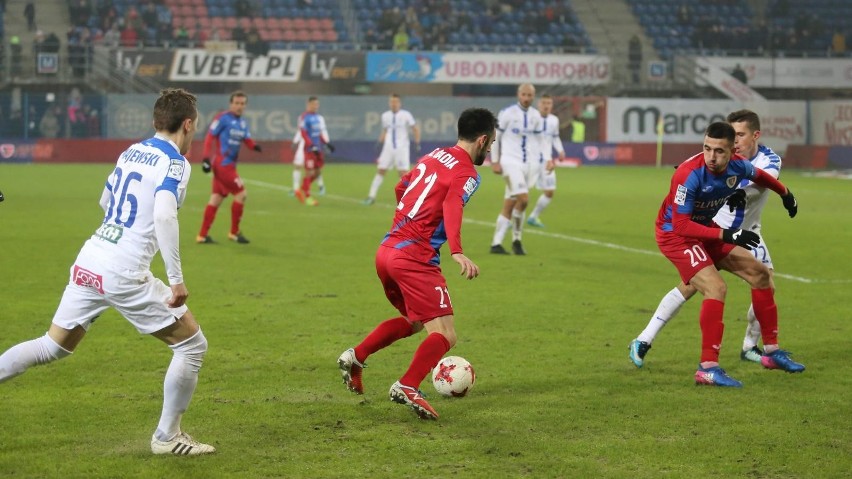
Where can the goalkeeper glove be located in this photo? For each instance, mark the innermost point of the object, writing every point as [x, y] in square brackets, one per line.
[330, 147]
[736, 200]
[205, 165]
[378, 146]
[314, 149]
[257, 148]
[790, 203]
[745, 238]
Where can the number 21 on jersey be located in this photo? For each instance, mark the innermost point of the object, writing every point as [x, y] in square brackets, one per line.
[418, 188]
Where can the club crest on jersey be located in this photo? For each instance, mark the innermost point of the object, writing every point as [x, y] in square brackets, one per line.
[175, 169]
[680, 195]
[731, 181]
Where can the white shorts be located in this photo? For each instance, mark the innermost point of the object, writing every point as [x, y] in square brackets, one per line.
[519, 177]
[299, 156]
[761, 252]
[137, 295]
[546, 180]
[399, 158]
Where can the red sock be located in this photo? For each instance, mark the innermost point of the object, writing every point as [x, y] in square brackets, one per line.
[209, 216]
[236, 216]
[431, 350]
[306, 184]
[712, 329]
[384, 335]
[766, 312]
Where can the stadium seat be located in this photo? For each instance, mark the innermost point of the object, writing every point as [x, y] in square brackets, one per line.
[303, 36]
[231, 22]
[217, 22]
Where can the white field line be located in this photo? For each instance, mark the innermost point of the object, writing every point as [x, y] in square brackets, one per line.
[548, 234]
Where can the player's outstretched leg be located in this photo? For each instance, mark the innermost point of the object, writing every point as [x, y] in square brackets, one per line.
[350, 370]
[17, 359]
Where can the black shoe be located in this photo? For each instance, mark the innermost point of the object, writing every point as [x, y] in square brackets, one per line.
[517, 248]
[204, 240]
[239, 238]
[498, 249]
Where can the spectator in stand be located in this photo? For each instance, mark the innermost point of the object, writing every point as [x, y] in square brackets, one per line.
[150, 18]
[255, 45]
[29, 13]
[32, 125]
[634, 58]
[400, 40]
[129, 37]
[50, 126]
[182, 39]
[838, 43]
[243, 8]
[739, 74]
[16, 52]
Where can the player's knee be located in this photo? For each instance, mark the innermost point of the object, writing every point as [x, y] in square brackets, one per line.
[761, 277]
[193, 349]
[451, 337]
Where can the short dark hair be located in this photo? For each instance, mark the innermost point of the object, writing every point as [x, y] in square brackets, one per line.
[475, 122]
[312, 98]
[173, 107]
[721, 130]
[238, 93]
[749, 117]
[394, 95]
[545, 95]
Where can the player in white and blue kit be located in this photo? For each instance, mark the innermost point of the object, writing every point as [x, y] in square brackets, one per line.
[395, 143]
[140, 200]
[515, 155]
[550, 142]
[746, 216]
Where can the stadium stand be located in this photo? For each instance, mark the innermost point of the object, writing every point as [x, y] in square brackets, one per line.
[730, 27]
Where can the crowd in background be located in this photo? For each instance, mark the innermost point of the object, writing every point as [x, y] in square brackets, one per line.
[71, 117]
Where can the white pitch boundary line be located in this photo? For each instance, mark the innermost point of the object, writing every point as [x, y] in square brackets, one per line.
[547, 234]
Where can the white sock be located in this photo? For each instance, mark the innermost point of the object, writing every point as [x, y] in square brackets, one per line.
[540, 205]
[297, 179]
[374, 186]
[320, 181]
[517, 224]
[17, 359]
[752, 335]
[667, 309]
[181, 378]
[503, 224]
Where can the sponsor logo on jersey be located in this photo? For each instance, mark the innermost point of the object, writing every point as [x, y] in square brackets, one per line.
[88, 279]
[110, 232]
[680, 195]
[175, 169]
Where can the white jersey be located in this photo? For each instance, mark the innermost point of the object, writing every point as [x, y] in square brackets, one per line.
[396, 127]
[519, 135]
[126, 238]
[550, 137]
[748, 217]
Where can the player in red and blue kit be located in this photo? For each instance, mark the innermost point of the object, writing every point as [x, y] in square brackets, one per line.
[431, 198]
[227, 133]
[314, 136]
[696, 246]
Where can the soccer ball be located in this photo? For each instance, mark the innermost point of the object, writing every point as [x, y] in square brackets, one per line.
[453, 376]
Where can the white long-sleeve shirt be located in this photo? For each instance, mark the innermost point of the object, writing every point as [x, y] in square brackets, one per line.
[518, 135]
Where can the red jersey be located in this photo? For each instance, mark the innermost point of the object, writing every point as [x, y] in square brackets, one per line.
[431, 198]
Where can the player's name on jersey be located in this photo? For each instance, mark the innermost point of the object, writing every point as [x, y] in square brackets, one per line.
[133, 155]
[444, 158]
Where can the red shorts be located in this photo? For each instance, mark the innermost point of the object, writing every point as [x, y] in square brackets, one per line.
[417, 289]
[226, 180]
[691, 255]
[313, 160]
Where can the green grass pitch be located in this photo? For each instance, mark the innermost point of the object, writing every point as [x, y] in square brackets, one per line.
[547, 333]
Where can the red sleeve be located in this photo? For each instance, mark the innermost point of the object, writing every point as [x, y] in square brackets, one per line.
[453, 211]
[402, 186]
[249, 143]
[209, 141]
[766, 180]
[684, 226]
[306, 137]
